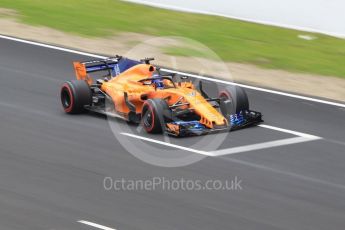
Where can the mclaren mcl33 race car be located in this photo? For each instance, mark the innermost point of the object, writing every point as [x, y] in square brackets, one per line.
[139, 92]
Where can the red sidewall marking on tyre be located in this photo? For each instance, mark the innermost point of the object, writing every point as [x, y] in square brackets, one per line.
[69, 108]
[153, 118]
[225, 93]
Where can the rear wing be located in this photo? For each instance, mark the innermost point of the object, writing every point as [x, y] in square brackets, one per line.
[114, 66]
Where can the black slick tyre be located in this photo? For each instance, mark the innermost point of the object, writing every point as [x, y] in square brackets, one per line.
[152, 115]
[233, 100]
[75, 95]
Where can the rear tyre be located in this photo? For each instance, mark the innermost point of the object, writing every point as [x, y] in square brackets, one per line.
[152, 115]
[75, 95]
[233, 100]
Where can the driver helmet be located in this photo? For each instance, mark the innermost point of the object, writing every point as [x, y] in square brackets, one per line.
[158, 81]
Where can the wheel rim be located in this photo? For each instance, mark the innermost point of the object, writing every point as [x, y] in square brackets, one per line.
[224, 96]
[148, 119]
[65, 98]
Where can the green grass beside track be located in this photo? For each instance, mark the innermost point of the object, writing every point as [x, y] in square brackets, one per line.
[232, 40]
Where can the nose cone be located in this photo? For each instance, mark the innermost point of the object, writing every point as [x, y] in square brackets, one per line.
[209, 116]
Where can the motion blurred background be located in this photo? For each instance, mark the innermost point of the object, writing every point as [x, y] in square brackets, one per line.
[311, 15]
[297, 46]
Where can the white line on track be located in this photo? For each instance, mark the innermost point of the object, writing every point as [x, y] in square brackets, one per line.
[95, 225]
[168, 144]
[263, 145]
[301, 137]
[305, 135]
[187, 74]
[52, 47]
[258, 88]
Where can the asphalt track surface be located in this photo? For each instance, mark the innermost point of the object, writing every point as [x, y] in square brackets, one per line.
[52, 165]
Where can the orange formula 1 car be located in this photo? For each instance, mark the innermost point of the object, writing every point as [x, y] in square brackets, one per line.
[139, 92]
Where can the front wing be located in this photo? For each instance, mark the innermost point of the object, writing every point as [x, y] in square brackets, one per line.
[194, 128]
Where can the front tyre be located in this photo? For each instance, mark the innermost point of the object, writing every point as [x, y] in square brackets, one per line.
[233, 100]
[75, 95]
[152, 115]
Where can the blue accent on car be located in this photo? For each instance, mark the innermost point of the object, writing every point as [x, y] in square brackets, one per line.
[188, 127]
[195, 124]
[158, 81]
[237, 119]
[124, 64]
[95, 68]
[115, 66]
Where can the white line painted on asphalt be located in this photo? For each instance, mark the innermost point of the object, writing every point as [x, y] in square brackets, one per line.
[95, 225]
[178, 72]
[257, 88]
[168, 144]
[289, 131]
[302, 137]
[263, 145]
[52, 47]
